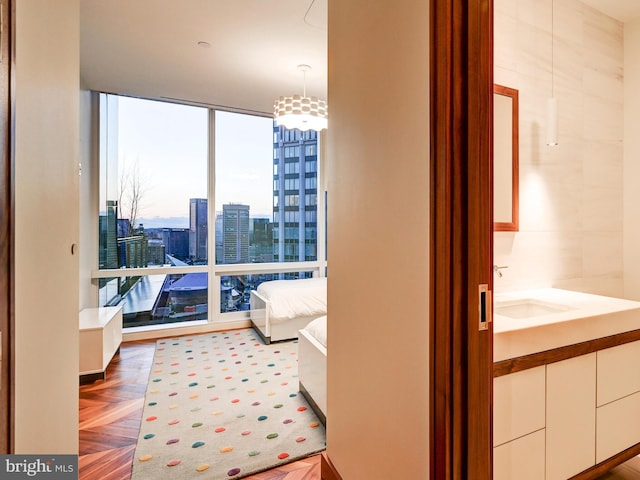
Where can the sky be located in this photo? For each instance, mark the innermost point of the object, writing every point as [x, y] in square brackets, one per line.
[166, 144]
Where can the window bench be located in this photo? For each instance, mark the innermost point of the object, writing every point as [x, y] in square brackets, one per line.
[100, 338]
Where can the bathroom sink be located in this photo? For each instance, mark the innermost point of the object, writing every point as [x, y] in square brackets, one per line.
[527, 308]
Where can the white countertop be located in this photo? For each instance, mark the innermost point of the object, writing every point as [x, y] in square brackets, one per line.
[570, 317]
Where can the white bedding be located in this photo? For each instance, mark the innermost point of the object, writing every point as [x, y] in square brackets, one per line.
[290, 299]
[318, 329]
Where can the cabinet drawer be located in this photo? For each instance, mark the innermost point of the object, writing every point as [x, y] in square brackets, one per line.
[618, 374]
[518, 404]
[571, 416]
[618, 426]
[521, 459]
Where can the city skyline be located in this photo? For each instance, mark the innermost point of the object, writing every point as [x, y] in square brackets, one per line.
[183, 222]
[166, 145]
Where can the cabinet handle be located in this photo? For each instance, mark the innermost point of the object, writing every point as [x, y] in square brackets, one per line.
[484, 306]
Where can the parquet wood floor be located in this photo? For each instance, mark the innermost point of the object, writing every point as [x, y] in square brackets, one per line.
[110, 412]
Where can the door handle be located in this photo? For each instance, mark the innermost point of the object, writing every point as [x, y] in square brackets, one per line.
[484, 306]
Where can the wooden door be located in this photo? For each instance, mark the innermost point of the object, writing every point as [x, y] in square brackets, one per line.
[462, 238]
[6, 236]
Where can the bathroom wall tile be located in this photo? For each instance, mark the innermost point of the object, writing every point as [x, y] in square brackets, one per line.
[533, 94]
[603, 163]
[568, 67]
[603, 210]
[536, 207]
[505, 7]
[603, 36]
[535, 13]
[505, 51]
[561, 164]
[602, 254]
[534, 47]
[507, 77]
[607, 286]
[606, 85]
[548, 204]
[536, 258]
[570, 107]
[568, 21]
[602, 120]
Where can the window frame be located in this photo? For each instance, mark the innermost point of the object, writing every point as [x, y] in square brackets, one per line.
[216, 271]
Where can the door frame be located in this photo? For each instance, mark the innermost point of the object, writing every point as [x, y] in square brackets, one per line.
[7, 14]
[461, 238]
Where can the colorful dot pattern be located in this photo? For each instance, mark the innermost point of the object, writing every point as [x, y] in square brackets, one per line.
[223, 406]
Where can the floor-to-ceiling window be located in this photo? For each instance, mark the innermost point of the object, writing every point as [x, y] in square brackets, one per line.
[192, 198]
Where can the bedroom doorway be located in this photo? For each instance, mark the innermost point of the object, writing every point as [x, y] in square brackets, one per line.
[462, 239]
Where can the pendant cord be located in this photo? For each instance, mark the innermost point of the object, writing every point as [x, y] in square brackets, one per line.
[552, 62]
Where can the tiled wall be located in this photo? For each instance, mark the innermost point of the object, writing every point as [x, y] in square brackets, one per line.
[571, 202]
[631, 159]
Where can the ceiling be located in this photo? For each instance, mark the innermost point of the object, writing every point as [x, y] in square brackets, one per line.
[149, 48]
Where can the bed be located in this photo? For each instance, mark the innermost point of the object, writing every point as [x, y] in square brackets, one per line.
[312, 365]
[279, 308]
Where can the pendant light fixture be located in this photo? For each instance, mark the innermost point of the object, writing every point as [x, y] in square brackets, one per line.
[552, 103]
[300, 111]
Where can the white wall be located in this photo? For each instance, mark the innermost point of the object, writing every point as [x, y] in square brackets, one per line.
[46, 225]
[631, 160]
[378, 290]
[571, 201]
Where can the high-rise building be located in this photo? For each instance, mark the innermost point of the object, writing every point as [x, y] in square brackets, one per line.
[108, 249]
[156, 251]
[133, 252]
[198, 230]
[177, 243]
[235, 233]
[219, 239]
[295, 195]
[261, 241]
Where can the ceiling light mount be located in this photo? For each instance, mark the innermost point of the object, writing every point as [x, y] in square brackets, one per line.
[299, 111]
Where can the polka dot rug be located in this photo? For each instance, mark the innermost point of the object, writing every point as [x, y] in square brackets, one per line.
[223, 406]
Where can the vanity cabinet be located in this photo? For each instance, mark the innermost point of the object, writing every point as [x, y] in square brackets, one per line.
[522, 458]
[557, 420]
[618, 400]
[571, 416]
[518, 425]
[518, 404]
[618, 426]
[618, 372]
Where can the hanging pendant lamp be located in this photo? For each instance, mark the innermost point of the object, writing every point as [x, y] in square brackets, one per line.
[299, 111]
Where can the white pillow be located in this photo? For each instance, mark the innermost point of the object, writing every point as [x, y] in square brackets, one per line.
[318, 329]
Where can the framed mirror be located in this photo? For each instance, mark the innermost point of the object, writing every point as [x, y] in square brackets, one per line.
[505, 159]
